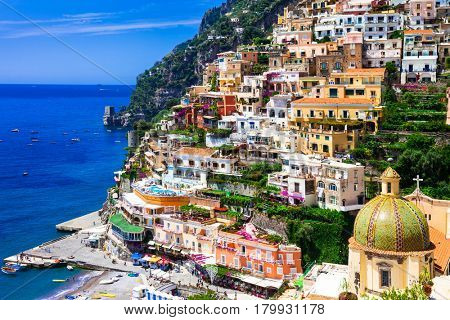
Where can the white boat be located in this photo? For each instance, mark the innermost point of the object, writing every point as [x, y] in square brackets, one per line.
[107, 281]
[15, 130]
[117, 141]
[75, 140]
[2, 141]
[25, 174]
[34, 140]
[69, 268]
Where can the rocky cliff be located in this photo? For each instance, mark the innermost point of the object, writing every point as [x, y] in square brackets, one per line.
[168, 79]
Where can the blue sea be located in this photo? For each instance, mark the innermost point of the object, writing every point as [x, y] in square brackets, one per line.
[66, 179]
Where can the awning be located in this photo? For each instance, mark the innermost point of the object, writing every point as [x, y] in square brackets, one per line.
[151, 243]
[167, 246]
[185, 251]
[266, 283]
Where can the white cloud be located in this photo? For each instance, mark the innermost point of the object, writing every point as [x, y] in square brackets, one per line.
[96, 28]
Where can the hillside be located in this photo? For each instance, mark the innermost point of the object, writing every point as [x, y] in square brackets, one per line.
[181, 68]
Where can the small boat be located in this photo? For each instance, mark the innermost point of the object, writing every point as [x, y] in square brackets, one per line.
[65, 133]
[34, 140]
[29, 144]
[34, 132]
[2, 141]
[117, 141]
[25, 174]
[109, 130]
[108, 281]
[8, 270]
[70, 297]
[75, 140]
[69, 268]
[59, 280]
[96, 133]
[15, 130]
[107, 295]
[13, 265]
[133, 274]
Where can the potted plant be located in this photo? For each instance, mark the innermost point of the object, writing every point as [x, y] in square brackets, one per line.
[426, 282]
[346, 294]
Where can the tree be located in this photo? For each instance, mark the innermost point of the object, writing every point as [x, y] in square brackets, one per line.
[392, 73]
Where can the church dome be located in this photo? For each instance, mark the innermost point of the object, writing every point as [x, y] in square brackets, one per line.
[391, 223]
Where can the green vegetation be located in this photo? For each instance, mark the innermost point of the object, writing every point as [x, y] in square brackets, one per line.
[321, 233]
[210, 295]
[196, 210]
[417, 155]
[221, 133]
[180, 68]
[255, 175]
[197, 135]
[415, 111]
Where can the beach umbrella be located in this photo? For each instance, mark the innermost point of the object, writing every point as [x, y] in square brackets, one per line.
[136, 256]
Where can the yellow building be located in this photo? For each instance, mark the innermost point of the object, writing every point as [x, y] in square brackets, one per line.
[232, 71]
[329, 126]
[355, 83]
[391, 244]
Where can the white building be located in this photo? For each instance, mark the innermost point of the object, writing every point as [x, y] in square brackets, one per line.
[278, 110]
[420, 55]
[378, 52]
[313, 180]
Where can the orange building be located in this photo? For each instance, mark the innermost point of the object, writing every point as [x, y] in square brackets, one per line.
[254, 255]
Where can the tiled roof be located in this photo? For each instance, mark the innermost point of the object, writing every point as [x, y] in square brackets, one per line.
[334, 101]
[418, 32]
[355, 245]
[442, 251]
[374, 71]
[204, 152]
[390, 173]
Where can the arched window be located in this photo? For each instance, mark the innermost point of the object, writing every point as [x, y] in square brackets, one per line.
[281, 114]
[332, 187]
[272, 114]
[320, 184]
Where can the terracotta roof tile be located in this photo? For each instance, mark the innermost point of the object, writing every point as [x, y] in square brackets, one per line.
[334, 101]
[418, 32]
[374, 71]
[204, 152]
[442, 251]
[355, 245]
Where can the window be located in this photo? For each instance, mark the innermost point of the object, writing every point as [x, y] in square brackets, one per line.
[243, 249]
[299, 113]
[223, 259]
[260, 268]
[249, 264]
[332, 187]
[269, 256]
[385, 277]
[333, 200]
[317, 137]
[327, 138]
[279, 270]
[236, 263]
[355, 187]
[269, 270]
[389, 187]
[333, 93]
[296, 187]
[320, 184]
[359, 92]
[330, 114]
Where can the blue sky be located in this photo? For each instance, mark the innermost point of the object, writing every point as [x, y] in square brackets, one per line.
[121, 37]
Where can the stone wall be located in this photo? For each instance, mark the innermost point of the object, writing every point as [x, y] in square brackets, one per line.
[276, 225]
[204, 202]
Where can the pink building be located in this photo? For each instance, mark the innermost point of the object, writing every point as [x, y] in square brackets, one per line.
[423, 8]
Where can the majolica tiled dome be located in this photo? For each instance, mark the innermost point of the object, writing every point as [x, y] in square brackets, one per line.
[391, 223]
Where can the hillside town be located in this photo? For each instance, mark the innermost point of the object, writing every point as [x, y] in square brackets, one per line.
[285, 174]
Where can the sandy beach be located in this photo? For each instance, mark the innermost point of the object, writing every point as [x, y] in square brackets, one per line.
[119, 290]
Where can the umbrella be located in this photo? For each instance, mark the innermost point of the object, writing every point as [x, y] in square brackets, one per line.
[136, 256]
